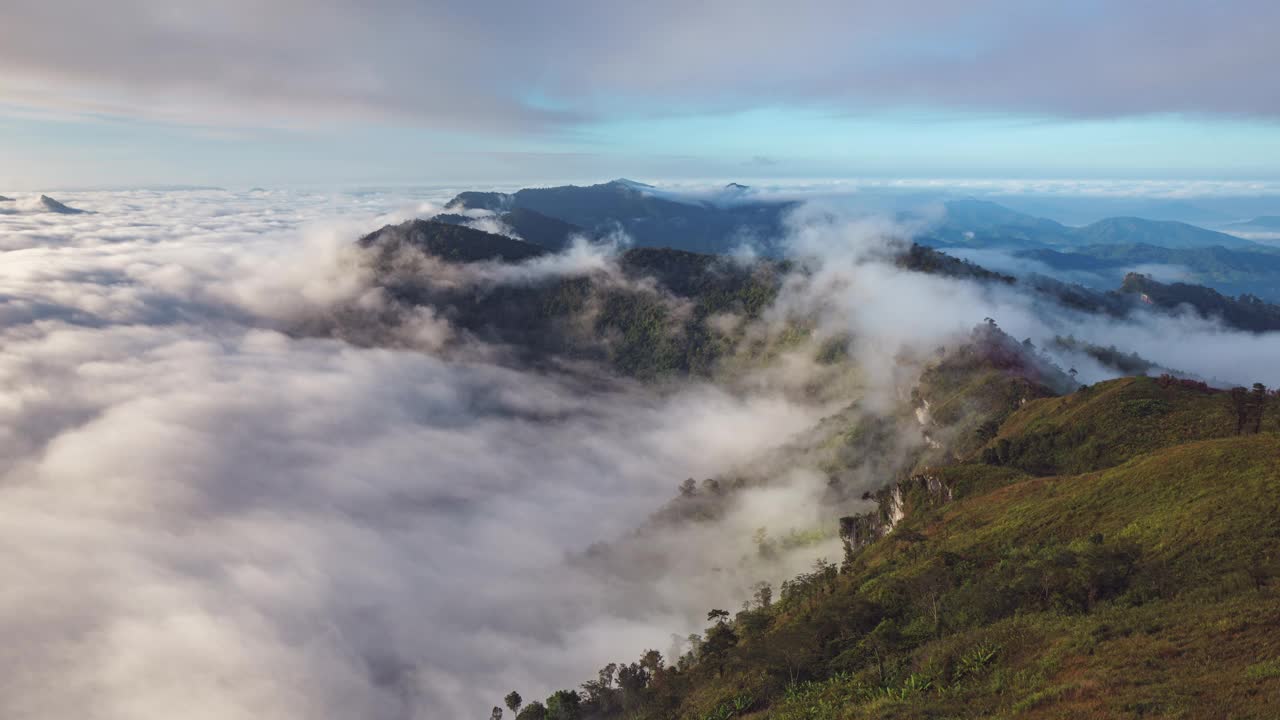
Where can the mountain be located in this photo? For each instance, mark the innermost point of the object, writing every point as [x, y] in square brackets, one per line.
[532, 226]
[978, 223]
[1034, 548]
[657, 319]
[1246, 312]
[665, 317]
[451, 242]
[5, 199]
[1165, 233]
[1260, 224]
[1107, 552]
[1233, 271]
[650, 218]
[48, 204]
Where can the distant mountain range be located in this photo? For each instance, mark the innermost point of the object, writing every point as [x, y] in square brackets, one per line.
[1099, 254]
[457, 243]
[979, 223]
[1260, 224]
[650, 217]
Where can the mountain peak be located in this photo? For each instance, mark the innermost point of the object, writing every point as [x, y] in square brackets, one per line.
[51, 205]
[633, 184]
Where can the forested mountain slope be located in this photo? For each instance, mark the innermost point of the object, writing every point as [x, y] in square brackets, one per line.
[1107, 553]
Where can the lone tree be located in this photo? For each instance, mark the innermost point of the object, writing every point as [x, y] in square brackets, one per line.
[1240, 403]
[1258, 405]
[513, 701]
[763, 595]
[718, 616]
[496, 714]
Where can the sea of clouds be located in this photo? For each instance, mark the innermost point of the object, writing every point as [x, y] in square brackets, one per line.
[210, 511]
[209, 515]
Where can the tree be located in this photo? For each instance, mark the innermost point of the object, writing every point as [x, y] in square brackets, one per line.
[633, 678]
[651, 660]
[1240, 403]
[564, 705]
[718, 616]
[1258, 405]
[721, 639]
[689, 488]
[600, 691]
[763, 595]
[848, 526]
[513, 701]
[988, 430]
[764, 546]
[533, 711]
[880, 643]
[496, 714]
[929, 586]
[790, 652]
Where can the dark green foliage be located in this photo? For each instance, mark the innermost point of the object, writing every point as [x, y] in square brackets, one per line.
[452, 243]
[921, 258]
[1125, 363]
[1250, 407]
[533, 711]
[660, 324]
[513, 702]
[1246, 312]
[564, 705]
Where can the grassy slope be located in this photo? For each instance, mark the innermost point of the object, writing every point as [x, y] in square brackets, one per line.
[1186, 632]
[1101, 425]
[1209, 513]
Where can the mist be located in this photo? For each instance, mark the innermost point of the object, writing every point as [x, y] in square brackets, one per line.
[216, 506]
[214, 515]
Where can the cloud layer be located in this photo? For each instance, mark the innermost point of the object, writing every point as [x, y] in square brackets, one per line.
[210, 517]
[207, 515]
[534, 67]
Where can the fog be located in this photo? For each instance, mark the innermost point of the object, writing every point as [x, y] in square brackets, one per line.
[211, 511]
[210, 516]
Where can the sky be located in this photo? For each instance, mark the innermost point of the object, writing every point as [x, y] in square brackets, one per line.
[294, 92]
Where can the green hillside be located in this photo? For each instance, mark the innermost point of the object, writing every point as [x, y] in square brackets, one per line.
[1118, 558]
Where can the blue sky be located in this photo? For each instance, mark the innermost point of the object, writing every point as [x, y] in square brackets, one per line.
[397, 91]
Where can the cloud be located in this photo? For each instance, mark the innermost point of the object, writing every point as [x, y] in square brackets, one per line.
[894, 315]
[209, 512]
[561, 63]
[213, 517]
